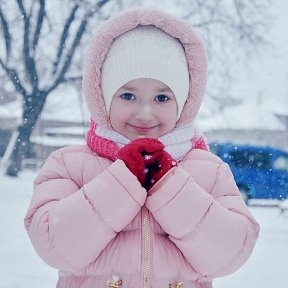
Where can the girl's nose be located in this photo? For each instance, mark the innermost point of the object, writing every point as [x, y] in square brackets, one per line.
[145, 113]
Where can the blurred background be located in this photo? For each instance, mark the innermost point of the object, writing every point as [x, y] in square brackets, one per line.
[244, 116]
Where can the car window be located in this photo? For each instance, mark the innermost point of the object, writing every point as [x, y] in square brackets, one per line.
[249, 159]
[281, 163]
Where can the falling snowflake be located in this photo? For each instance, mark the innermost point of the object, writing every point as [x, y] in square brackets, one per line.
[147, 157]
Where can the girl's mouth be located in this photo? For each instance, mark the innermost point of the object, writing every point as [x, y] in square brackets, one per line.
[143, 129]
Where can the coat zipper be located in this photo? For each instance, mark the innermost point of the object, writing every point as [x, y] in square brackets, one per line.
[146, 247]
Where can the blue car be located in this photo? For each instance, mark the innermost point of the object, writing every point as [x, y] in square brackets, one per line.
[259, 172]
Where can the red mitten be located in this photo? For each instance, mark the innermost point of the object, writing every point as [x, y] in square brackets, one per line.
[133, 155]
[158, 164]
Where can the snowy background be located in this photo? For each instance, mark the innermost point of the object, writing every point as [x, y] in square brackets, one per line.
[266, 80]
[22, 268]
[259, 84]
[263, 81]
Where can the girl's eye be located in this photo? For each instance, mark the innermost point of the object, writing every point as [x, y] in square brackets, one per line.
[128, 96]
[162, 98]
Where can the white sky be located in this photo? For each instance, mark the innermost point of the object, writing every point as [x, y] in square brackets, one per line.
[263, 80]
[270, 73]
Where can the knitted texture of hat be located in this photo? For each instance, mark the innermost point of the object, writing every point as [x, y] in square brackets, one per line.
[146, 52]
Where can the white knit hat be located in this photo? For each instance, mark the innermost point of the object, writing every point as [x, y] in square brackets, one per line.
[146, 52]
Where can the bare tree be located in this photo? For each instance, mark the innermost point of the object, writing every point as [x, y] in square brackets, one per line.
[26, 72]
[39, 49]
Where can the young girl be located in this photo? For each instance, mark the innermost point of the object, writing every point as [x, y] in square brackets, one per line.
[143, 204]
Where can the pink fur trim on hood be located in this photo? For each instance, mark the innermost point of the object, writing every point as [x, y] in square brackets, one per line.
[125, 21]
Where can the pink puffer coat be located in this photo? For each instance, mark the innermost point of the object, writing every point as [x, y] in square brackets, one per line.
[91, 219]
[87, 219]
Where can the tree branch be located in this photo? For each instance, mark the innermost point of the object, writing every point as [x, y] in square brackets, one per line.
[29, 62]
[40, 19]
[238, 10]
[13, 75]
[22, 9]
[7, 35]
[98, 6]
[203, 24]
[75, 44]
[72, 79]
[64, 37]
[70, 54]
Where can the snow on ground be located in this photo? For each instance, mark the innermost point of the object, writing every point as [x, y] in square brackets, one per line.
[22, 268]
[20, 265]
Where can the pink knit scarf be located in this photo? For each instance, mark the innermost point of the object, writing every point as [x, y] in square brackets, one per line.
[178, 143]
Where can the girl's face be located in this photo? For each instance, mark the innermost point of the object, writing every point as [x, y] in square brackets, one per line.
[143, 108]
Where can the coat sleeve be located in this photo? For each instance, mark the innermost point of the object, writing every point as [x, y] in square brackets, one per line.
[68, 225]
[213, 229]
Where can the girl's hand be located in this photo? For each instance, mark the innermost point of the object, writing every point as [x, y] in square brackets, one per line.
[158, 164]
[135, 153]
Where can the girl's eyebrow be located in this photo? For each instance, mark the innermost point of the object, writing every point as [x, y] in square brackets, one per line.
[126, 87]
[160, 90]
[165, 89]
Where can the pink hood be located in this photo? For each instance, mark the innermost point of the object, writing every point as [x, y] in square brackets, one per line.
[116, 26]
